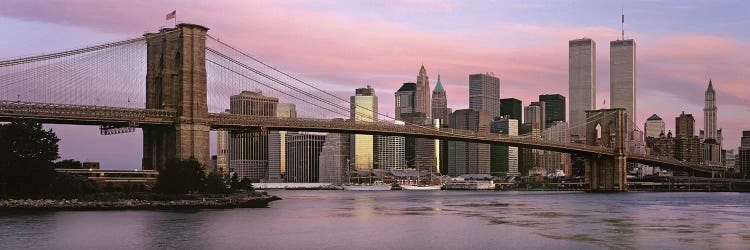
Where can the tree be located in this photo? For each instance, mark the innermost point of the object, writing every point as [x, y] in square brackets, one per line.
[215, 184]
[26, 155]
[180, 177]
[69, 186]
[246, 184]
[69, 163]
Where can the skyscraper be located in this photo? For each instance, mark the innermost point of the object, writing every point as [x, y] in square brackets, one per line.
[440, 103]
[364, 107]
[391, 154]
[484, 94]
[685, 125]
[711, 140]
[743, 155]
[511, 107]
[248, 151]
[554, 108]
[534, 115]
[581, 83]
[277, 144]
[465, 157]
[622, 75]
[423, 93]
[504, 159]
[303, 156]
[406, 99]
[654, 126]
[334, 158]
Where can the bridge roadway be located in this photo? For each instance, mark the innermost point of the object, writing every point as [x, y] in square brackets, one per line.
[137, 117]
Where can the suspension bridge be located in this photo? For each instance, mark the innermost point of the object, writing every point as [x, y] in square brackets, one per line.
[175, 85]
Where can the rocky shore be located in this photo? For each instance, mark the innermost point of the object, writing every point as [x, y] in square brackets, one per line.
[134, 204]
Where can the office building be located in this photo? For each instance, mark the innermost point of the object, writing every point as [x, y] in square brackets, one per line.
[554, 109]
[391, 154]
[303, 157]
[406, 98]
[743, 155]
[581, 84]
[364, 108]
[712, 139]
[685, 125]
[464, 157]
[504, 159]
[277, 144]
[622, 77]
[440, 103]
[484, 94]
[334, 159]
[420, 152]
[654, 126]
[248, 151]
[511, 107]
[423, 92]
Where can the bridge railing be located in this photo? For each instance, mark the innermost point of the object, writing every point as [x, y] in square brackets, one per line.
[51, 111]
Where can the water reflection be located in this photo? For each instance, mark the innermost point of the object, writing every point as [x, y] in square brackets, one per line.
[413, 220]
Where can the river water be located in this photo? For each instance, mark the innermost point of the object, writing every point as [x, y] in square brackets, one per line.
[406, 220]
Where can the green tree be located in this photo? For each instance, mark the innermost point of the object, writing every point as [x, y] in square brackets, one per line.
[69, 186]
[26, 155]
[69, 163]
[215, 184]
[246, 184]
[180, 177]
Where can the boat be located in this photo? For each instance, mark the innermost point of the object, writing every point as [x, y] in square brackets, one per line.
[416, 187]
[375, 186]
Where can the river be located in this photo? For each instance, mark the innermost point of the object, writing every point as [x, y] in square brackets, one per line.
[406, 220]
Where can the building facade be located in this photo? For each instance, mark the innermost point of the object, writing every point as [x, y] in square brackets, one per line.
[464, 157]
[364, 108]
[554, 108]
[440, 103]
[712, 141]
[406, 99]
[277, 144]
[423, 92]
[248, 151]
[622, 77]
[581, 84]
[511, 107]
[654, 126]
[484, 94]
[685, 125]
[743, 155]
[303, 157]
[504, 159]
[334, 159]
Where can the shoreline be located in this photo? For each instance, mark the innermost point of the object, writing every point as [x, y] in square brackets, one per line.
[135, 204]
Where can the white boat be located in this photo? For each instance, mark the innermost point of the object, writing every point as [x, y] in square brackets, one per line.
[415, 187]
[377, 186]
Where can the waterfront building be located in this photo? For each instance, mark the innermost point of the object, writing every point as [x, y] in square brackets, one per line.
[364, 108]
[554, 108]
[484, 94]
[712, 138]
[504, 159]
[730, 162]
[334, 159]
[549, 160]
[420, 152]
[303, 157]
[440, 103]
[511, 107]
[663, 146]
[405, 99]
[622, 77]
[423, 93]
[534, 116]
[654, 126]
[391, 153]
[581, 84]
[222, 150]
[277, 144]
[248, 151]
[465, 157]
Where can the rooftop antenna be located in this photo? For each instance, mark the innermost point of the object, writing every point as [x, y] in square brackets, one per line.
[622, 11]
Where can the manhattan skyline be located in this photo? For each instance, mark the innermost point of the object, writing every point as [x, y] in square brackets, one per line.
[676, 56]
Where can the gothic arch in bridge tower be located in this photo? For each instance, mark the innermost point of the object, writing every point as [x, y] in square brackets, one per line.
[606, 173]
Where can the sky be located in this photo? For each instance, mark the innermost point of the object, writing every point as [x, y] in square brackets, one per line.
[349, 44]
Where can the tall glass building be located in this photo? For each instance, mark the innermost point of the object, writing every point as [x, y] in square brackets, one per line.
[364, 108]
[581, 83]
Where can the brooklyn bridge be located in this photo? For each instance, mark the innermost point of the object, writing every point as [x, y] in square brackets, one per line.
[175, 84]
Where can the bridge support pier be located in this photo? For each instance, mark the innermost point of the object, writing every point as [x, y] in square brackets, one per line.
[176, 80]
[606, 173]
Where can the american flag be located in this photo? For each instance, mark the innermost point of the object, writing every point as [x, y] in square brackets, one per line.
[172, 15]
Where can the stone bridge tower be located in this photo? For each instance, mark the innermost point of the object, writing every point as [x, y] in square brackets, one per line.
[176, 81]
[605, 173]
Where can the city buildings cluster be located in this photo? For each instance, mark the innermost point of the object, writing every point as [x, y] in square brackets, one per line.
[280, 156]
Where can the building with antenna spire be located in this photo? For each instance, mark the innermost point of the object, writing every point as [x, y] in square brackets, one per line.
[711, 136]
[622, 75]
